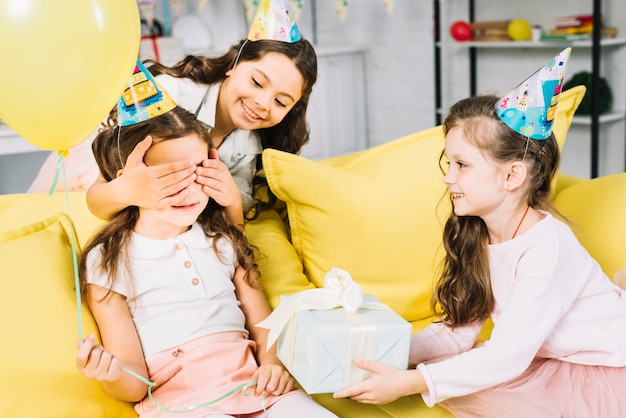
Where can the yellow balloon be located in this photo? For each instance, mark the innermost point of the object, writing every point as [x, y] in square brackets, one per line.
[64, 65]
[519, 30]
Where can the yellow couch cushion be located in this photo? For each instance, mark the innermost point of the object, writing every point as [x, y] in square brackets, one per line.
[39, 327]
[596, 208]
[569, 100]
[375, 217]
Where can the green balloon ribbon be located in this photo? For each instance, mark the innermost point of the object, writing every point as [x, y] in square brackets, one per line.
[60, 168]
[242, 387]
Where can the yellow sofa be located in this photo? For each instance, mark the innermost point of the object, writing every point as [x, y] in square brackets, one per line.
[377, 214]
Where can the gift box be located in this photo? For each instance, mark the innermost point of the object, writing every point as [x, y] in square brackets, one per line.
[318, 344]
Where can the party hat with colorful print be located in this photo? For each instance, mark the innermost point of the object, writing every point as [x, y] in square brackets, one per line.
[531, 107]
[274, 20]
[143, 99]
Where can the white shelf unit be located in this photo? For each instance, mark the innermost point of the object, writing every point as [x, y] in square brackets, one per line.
[601, 136]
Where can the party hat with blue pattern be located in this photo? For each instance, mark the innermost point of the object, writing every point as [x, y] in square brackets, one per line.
[274, 20]
[531, 107]
[143, 99]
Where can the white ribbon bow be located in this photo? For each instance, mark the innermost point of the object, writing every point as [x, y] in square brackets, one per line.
[339, 290]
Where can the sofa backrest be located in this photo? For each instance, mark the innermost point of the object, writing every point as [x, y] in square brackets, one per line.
[377, 214]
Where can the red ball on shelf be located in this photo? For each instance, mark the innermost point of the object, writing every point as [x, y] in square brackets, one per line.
[461, 30]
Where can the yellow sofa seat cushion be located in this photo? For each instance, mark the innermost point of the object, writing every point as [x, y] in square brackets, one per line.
[375, 217]
[39, 327]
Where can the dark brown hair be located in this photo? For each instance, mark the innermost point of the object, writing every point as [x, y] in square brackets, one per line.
[463, 290]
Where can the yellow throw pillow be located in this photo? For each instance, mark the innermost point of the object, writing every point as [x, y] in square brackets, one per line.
[376, 217]
[39, 327]
[569, 100]
[596, 209]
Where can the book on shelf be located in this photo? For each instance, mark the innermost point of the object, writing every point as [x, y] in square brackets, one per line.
[571, 30]
[565, 37]
[572, 36]
[576, 27]
[576, 20]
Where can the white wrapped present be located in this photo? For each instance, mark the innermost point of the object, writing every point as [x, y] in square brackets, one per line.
[321, 331]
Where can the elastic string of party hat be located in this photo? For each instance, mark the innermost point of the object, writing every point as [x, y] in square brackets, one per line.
[60, 168]
[239, 53]
[119, 152]
[526, 148]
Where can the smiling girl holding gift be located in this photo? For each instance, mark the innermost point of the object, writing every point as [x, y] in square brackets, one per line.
[558, 346]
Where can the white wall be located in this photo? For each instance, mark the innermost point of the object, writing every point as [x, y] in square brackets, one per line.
[17, 172]
[399, 61]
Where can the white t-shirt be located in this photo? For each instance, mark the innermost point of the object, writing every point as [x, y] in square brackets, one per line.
[181, 291]
[239, 150]
[552, 300]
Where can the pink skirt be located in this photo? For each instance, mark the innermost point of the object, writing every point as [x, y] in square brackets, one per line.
[202, 371]
[550, 388]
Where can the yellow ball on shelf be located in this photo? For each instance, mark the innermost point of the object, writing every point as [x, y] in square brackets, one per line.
[519, 30]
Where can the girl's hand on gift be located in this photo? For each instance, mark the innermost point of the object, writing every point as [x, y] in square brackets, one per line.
[386, 384]
[273, 379]
[95, 362]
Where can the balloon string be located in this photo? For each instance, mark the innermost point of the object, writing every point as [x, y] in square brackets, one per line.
[60, 168]
[240, 388]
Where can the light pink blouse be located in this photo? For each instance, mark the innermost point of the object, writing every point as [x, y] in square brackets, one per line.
[552, 300]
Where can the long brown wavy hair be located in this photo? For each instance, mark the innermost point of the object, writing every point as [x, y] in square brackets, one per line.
[463, 291]
[292, 133]
[111, 149]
